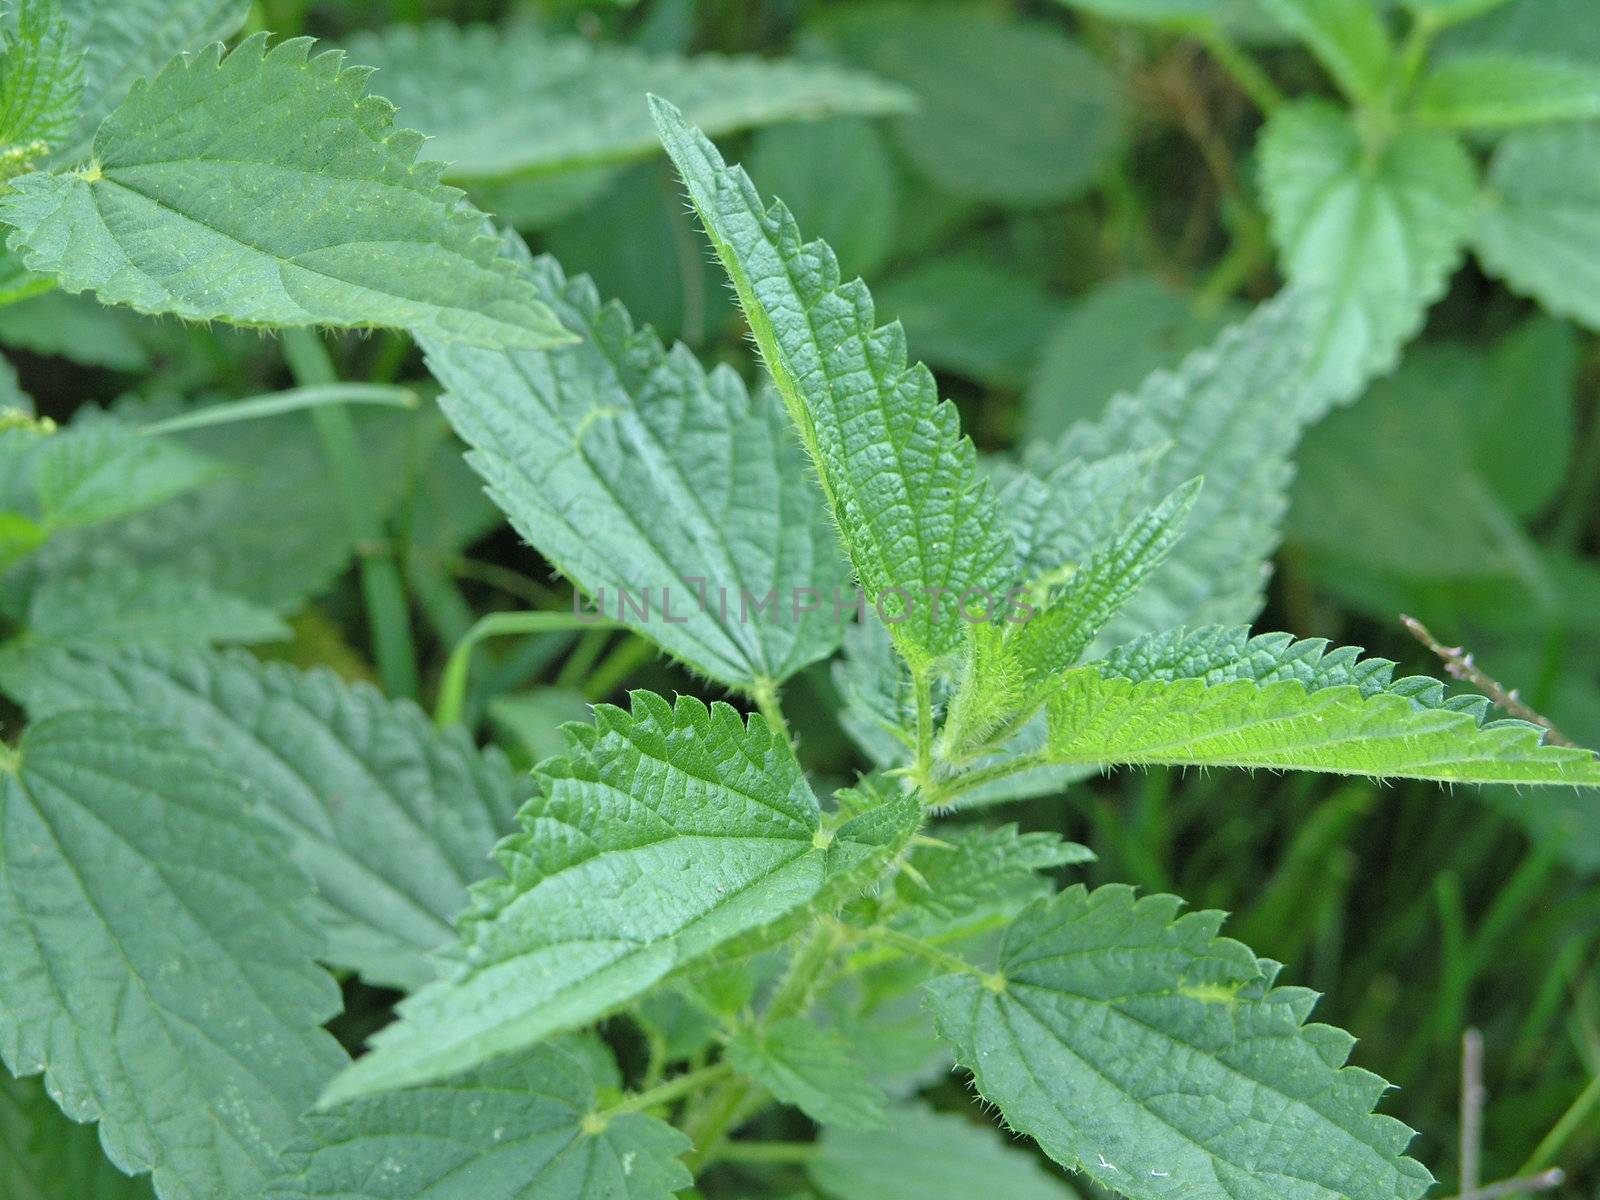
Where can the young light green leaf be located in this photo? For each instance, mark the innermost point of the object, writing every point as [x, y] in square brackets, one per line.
[1213, 699]
[265, 188]
[1493, 91]
[1232, 413]
[124, 41]
[41, 83]
[1538, 227]
[390, 818]
[665, 833]
[159, 954]
[633, 469]
[1378, 233]
[1101, 1001]
[498, 102]
[1347, 36]
[917, 519]
[927, 1155]
[1097, 589]
[812, 1068]
[44, 1156]
[525, 1128]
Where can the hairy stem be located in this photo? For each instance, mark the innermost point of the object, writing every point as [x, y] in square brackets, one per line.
[767, 701]
[1571, 1121]
[382, 587]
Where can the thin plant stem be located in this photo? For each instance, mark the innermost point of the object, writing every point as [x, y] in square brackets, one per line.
[665, 1093]
[943, 959]
[1246, 72]
[382, 585]
[580, 663]
[627, 657]
[451, 700]
[768, 1152]
[1459, 663]
[1571, 1121]
[1544, 1181]
[272, 404]
[770, 705]
[947, 790]
[922, 685]
[1473, 1095]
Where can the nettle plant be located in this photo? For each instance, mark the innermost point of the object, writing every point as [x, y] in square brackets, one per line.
[191, 838]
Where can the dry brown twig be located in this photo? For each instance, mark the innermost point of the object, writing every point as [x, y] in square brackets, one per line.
[1459, 663]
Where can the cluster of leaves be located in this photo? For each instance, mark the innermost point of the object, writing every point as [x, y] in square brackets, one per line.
[681, 934]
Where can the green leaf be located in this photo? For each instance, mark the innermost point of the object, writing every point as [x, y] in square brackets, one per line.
[1538, 227]
[499, 102]
[1494, 91]
[1549, 29]
[1213, 699]
[1347, 36]
[838, 178]
[1097, 589]
[1233, 413]
[265, 188]
[124, 41]
[900, 480]
[44, 1156]
[927, 1155]
[633, 469]
[1498, 427]
[972, 73]
[270, 526]
[524, 1128]
[1109, 342]
[76, 328]
[1159, 1059]
[971, 314]
[98, 470]
[41, 82]
[389, 817]
[158, 949]
[664, 834]
[1378, 232]
[124, 606]
[1245, 19]
[812, 1068]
